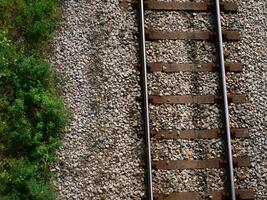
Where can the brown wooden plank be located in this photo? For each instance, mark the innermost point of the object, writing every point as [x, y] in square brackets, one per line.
[241, 162]
[183, 99]
[197, 99]
[182, 6]
[199, 134]
[190, 35]
[229, 7]
[178, 6]
[233, 66]
[234, 98]
[248, 194]
[189, 6]
[240, 133]
[244, 194]
[200, 67]
[231, 35]
[181, 67]
[199, 164]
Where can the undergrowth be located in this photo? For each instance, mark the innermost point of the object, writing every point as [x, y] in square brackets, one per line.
[30, 22]
[31, 113]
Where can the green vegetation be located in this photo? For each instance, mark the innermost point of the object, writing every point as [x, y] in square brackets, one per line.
[30, 22]
[31, 113]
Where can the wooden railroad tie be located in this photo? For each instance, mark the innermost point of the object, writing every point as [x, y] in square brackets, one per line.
[199, 134]
[182, 6]
[215, 163]
[189, 6]
[242, 194]
[198, 67]
[191, 35]
[194, 99]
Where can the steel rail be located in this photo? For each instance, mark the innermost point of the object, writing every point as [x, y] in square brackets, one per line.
[145, 100]
[225, 102]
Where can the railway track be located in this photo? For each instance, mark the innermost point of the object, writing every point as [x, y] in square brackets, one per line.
[223, 99]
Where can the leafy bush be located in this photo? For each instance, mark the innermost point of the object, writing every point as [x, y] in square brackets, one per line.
[31, 20]
[21, 180]
[9, 10]
[37, 19]
[31, 115]
[29, 94]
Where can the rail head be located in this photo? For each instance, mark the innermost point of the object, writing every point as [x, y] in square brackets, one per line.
[225, 100]
[145, 100]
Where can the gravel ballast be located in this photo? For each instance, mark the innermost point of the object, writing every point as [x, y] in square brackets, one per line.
[102, 155]
[95, 55]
